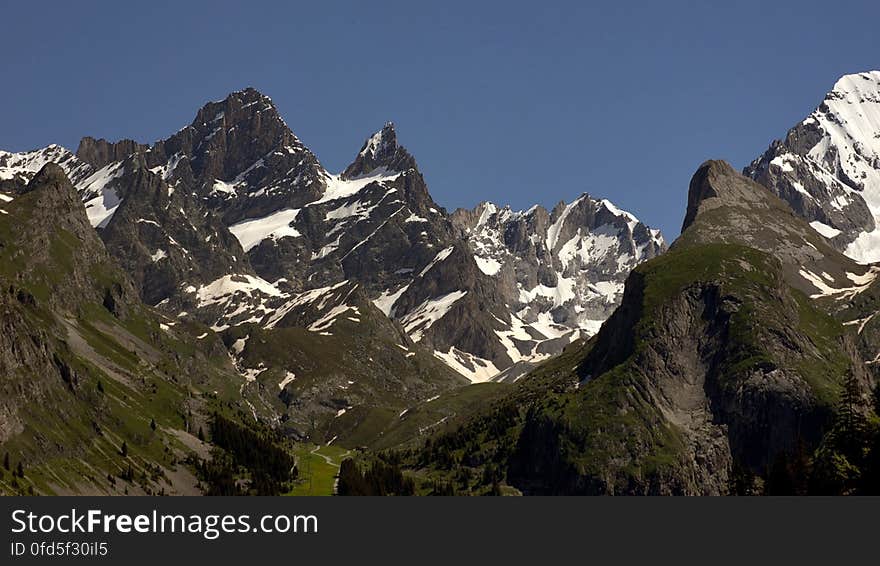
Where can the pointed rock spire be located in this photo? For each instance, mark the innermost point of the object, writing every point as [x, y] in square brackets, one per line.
[380, 150]
[715, 184]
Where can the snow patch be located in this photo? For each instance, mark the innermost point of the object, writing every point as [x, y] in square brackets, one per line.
[420, 319]
[287, 379]
[488, 265]
[442, 255]
[475, 368]
[277, 225]
[824, 229]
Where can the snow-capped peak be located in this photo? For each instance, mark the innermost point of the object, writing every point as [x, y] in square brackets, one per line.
[383, 142]
[566, 268]
[380, 150]
[828, 167]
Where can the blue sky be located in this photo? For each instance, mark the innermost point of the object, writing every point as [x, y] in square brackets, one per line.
[513, 102]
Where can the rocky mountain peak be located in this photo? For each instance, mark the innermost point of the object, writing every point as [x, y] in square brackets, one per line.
[228, 136]
[717, 184]
[828, 166]
[232, 217]
[380, 150]
[725, 207]
[56, 198]
[239, 108]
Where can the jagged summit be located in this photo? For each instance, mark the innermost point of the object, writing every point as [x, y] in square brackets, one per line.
[380, 150]
[245, 117]
[382, 143]
[237, 106]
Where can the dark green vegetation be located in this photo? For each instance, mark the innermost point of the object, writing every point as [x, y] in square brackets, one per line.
[246, 461]
[377, 479]
[847, 462]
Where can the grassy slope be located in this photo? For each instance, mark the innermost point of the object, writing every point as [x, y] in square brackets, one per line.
[355, 368]
[128, 372]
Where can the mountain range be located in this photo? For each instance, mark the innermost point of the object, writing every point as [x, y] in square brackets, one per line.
[222, 277]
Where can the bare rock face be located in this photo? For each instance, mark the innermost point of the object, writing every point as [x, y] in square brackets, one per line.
[165, 239]
[100, 153]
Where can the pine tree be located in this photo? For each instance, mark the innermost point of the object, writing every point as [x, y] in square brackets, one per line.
[201, 434]
[839, 461]
[153, 424]
[6, 461]
[351, 481]
[100, 386]
[876, 397]
[124, 449]
[19, 471]
[851, 423]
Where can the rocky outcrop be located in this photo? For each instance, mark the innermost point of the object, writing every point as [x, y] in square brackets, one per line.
[99, 152]
[55, 247]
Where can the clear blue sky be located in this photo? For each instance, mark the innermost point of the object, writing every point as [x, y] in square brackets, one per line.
[514, 102]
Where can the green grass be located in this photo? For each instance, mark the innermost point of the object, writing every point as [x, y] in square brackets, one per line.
[426, 417]
[317, 476]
